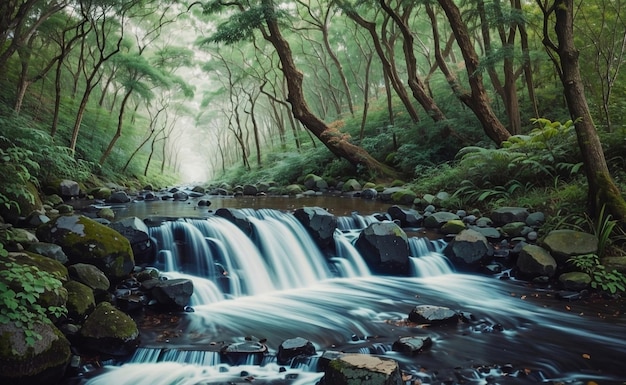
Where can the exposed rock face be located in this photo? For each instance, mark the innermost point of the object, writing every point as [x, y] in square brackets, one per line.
[294, 347]
[88, 241]
[137, 233]
[564, 244]
[534, 261]
[110, 331]
[469, 247]
[433, 315]
[407, 217]
[320, 224]
[384, 246]
[42, 363]
[173, 293]
[350, 369]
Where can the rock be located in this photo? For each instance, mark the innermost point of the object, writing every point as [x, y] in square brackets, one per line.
[469, 247]
[514, 229]
[22, 236]
[27, 201]
[237, 217]
[44, 362]
[349, 369]
[403, 196]
[138, 234]
[437, 219]
[505, 215]
[86, 241]
[575, 280]
[534, 261]
[250, 189]
[407, 217]
[292, 348]
[433, 315]
[240, 352]
[106, 213]
[49, 250]
[564, 244]
[387, 193]
[293, 189]
[384, 246]
[35, 219]
[173, 293]
[411, 345]
[319, 223]
[119, 197]
[180, 196]
[110, 331]
[615, 263]
[489, 232]
[80, 300]
[454, 226]
[535, 219]
[89, 275]
[69, 188]
[101, 193]
[369, 194]
[351, 185]
[199, 189]
[315, 183]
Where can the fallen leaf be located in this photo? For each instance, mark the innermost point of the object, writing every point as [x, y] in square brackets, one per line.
[586, 356]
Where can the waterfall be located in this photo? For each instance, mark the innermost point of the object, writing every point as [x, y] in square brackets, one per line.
[427, 259]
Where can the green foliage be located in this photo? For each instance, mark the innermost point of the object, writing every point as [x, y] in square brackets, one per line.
[21, 286]
[602, 279]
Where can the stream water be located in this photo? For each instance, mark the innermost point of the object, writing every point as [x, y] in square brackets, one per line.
[276, 285]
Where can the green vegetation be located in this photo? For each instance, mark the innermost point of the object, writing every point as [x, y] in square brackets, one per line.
[601, 278]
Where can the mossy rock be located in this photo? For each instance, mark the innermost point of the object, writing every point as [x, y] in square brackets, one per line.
[403, 197]
[87, 241]
[293, 189]
[44, 362]
[110, 331]
[351, 185]
[25, 205]
[80, 300]
[100, 192]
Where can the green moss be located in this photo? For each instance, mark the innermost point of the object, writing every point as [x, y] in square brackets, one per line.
[107, 321]
[80, 299]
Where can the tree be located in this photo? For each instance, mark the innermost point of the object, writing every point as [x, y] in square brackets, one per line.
[602, 190]
[265, 17]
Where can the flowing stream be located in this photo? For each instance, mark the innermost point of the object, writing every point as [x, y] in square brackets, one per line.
[275, 284]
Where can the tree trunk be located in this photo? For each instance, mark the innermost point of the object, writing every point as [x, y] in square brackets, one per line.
[602, 188]
[120, 123]
[334, 140]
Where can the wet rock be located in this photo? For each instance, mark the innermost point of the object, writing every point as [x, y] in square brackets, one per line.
[106, 213]
[34, 219]
[237, 217]
[505, 215]
[315, 183]
[403, 196]
[173, 293]
[69, 188]
[564, 244]
[386, 194]
[535, 261]
[351, 185]
[138, 234]
[319, 223]
[86, 241]
[433, 315]
[348, 369]
[407, 217]
[384, 246]
[292, 348]
[80, 300]
[44, 362]
[101, 193]
[49, 250]
[454, 226]
[437, 219]
[89, 275]
[239, 353]
[119, 197]
[469, 247]
[575, 280]
[180, 196]
[369, 194]
[411, 345]
[514, 229]
[110, 331]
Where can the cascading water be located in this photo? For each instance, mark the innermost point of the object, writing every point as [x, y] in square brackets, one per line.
[276, 284]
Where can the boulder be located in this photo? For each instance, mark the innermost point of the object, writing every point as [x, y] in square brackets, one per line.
[403, 196]
[384, 246]
[575, 280]
[106, 213]
[173, 293]
[87, 241]
[407, 217]
[101, 193]
[180, 195]
[369, 193]
[239, 353]
[90, 276]
[535, 261]
[49, 250]
[411, 345]
[514, 229]
[138, 234]
[119, 197]
[469, 247]
[293, 189]
[69, 188]
[80, 300]
[110, 331]
[437, 219]
[250, 189]
[27, 201]
[349, 369]
[292, 348]
[433, 315]
[42, 362]
[351, 185]
[505, 215]
[454, 226]
[319, 223]
[237, 217]
[315, 183]
[564, 244]
[387, 193]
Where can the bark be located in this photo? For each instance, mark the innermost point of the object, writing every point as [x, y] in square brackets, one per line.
[120, 124]
[477, 100]
[602, 188]
[334, 140]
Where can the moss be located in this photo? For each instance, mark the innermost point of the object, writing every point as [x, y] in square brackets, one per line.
[80, 299]
[609, 195]
[107, 321]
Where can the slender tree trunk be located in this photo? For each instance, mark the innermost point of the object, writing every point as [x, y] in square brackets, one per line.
[120, 123]
[334, 140]
[602, 188]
